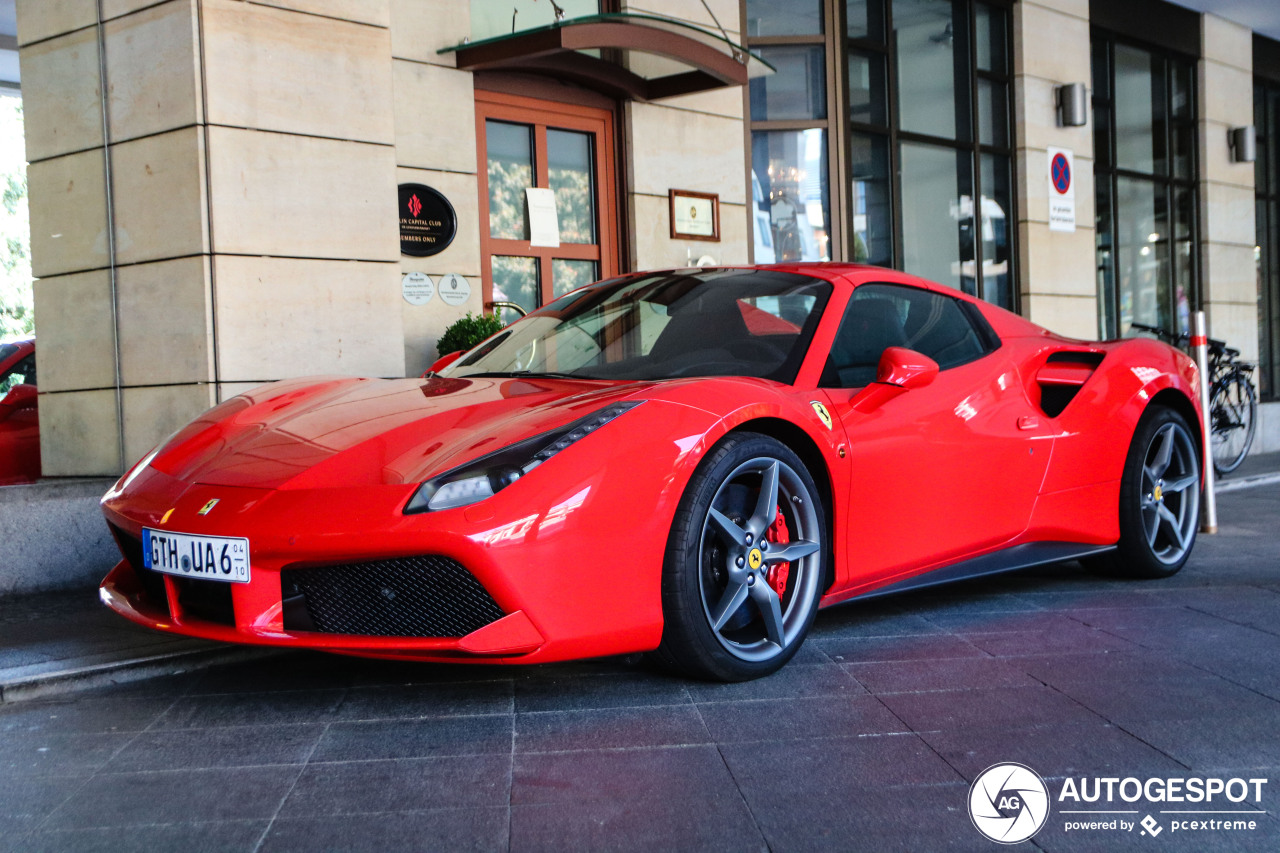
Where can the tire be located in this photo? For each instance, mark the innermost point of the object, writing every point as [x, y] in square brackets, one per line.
[723, 618]
[1159, 499]
[1233, 408]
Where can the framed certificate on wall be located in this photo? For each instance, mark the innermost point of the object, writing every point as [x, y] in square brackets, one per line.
[694, 215]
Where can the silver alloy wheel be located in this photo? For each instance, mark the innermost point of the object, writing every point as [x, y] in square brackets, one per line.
[742, 608]
[1170, 493]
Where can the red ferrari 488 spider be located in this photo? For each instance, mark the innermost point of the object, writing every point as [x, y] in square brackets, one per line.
[690, 463]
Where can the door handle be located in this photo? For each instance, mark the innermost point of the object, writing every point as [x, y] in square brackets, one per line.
[1028, 422]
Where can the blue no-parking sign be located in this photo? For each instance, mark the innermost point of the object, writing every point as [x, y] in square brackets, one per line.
[1062, 190]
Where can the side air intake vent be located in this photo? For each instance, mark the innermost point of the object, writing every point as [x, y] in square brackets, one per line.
[1062, 377]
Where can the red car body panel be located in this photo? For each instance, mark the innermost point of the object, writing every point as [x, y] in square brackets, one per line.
[19, 424]
[317, 472]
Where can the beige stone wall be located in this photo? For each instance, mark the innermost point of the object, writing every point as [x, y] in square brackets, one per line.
[435, 144]
[253, 152]
[1227, 225]
[1056, 269]
[694, 142]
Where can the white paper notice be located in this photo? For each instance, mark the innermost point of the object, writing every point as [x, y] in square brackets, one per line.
[544, 225]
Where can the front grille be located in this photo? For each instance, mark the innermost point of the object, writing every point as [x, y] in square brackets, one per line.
[152, 582]
[427, 596]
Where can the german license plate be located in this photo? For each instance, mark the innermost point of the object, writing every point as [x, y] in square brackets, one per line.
[211, 558]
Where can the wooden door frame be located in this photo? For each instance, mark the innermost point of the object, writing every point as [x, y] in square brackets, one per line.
[521, 109]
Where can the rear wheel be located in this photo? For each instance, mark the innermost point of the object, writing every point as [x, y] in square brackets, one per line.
[1233, 414]
[744, 563]
[1159, 498]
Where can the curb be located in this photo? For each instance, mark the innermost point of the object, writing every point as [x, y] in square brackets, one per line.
[82, 677]
[1247, 482]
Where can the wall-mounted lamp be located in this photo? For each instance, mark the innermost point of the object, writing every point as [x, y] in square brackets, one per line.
[1072, 100]
[1243, 144]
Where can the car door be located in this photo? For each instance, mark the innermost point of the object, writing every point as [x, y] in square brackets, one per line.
[937, 472]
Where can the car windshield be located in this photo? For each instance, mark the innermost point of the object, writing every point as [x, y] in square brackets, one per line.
[659, 326]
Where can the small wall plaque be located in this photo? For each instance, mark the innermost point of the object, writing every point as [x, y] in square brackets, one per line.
[694, 215]
[427, 221]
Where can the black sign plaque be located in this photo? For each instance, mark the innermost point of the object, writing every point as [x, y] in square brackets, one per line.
[427, 221]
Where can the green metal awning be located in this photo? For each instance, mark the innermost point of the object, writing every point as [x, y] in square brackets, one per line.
[637, 57]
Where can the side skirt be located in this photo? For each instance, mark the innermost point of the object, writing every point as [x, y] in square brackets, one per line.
[998, 562]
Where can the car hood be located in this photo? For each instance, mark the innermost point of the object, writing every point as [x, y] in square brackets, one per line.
[330, 432]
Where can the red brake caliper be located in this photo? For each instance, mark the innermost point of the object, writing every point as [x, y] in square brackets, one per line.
[779, 535]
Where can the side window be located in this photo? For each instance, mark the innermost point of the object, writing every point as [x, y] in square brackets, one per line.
[22, 373]
[882, 315]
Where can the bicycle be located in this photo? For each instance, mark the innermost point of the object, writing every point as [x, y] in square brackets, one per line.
[1233, 399]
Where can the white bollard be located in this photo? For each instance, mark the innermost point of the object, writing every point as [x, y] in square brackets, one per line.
[1200, 352]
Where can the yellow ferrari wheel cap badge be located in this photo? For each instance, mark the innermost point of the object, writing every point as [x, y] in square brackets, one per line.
[204, 510]
[1158, 494]
[755, 559]
[821, 411]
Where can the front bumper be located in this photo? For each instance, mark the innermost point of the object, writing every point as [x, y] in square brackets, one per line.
[572, 561]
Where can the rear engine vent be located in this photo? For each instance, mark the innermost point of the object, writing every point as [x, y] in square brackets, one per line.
[152, 582]
[426, 596]
[1062, 377]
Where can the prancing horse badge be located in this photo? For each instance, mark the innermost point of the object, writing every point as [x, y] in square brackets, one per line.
[822, 413]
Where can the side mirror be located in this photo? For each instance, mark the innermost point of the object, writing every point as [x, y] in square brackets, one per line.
[20, 397]
[444, 361]
[905, 368]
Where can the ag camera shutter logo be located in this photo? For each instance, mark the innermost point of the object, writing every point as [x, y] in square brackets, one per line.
[1008, 803]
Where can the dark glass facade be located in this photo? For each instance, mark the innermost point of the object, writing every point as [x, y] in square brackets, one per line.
[1266, 107]
[1145, 170]
[885, 137]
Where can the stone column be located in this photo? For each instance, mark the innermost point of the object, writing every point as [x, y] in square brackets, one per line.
[1227, 223]
[435, 124]
[694, 142]
[1057, 270]
[252, 175]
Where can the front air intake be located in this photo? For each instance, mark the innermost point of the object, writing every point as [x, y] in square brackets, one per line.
[424, 596]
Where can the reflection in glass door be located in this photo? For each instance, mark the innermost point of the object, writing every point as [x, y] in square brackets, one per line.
[530, 144]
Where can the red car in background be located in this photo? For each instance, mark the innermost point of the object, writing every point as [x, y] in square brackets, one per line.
[19, 426]
[689, 463]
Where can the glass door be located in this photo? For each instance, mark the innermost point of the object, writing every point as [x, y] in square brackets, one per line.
[567, 149]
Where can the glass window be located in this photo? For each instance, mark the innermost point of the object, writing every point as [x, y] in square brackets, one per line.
[932, 68]
[798, 87]
[784, 18]
[1144, 112]
[990, 46]
[1266, 254]
[570, 174]
[993, 114]
[880, 316]
[1139, 110]
[997, 228]
[510, 152]
[791, 166]
[868, 89]
[865, 19]
[872, 200]
[515, 280]
[567, 275]
[937, 215]
[22, 373]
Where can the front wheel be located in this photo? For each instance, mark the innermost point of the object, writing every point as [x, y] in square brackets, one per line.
[1159, 498]
[744, 563]
[1233, 415]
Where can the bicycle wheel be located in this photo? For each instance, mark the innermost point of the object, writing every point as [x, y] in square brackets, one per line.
[1233, 413]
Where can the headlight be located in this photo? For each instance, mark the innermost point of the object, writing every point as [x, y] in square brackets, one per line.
[484, 477]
